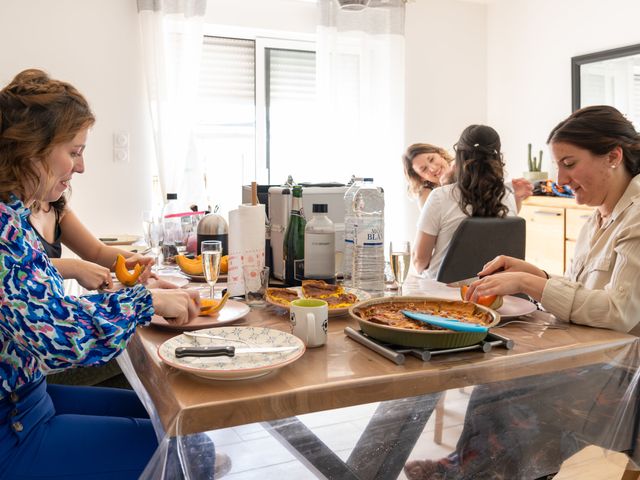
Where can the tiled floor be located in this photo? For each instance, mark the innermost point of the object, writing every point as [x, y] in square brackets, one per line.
[256, 454]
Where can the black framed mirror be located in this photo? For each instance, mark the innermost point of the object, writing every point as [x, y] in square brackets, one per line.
[610, 77]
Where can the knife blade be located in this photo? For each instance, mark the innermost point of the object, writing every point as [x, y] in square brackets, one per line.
[228, 351]
[450, 323]
[463, 282]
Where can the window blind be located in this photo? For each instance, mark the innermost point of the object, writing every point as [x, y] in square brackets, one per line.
[292, 75]
[228, 70]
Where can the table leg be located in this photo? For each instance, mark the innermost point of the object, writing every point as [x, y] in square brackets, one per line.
[390, 436]
[296, 437]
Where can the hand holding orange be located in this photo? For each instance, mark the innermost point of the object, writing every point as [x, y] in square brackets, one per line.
[494, 302]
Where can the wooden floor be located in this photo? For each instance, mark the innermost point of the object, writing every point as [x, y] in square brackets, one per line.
[255, 454]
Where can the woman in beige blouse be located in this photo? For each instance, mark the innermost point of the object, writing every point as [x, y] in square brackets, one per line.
[597, 151]
[527, 427]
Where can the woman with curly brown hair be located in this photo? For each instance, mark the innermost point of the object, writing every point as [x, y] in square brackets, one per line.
[479, 191]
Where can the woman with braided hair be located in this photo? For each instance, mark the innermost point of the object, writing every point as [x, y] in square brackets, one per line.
[56, 431]
[479, 191]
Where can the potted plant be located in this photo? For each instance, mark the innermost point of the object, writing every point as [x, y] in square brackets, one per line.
[535, 168]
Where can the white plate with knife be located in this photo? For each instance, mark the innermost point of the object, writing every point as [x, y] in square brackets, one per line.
[231, 353]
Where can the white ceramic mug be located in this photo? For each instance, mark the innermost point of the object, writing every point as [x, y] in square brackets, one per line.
[309, 320]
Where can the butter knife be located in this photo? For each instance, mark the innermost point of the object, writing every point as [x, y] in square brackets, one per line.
[228, 351]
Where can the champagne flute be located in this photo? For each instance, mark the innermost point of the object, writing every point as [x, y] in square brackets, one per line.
[211, 254]
[153, 233]
[400, 253]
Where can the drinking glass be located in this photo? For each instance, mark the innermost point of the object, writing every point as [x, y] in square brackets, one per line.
[211, 254]
[400, 254]
[256, 282]
[153, 233]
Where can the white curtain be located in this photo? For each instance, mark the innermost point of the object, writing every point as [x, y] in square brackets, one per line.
[172, 37]
[360, 73]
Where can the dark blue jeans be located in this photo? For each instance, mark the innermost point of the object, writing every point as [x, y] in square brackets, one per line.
[61, 431]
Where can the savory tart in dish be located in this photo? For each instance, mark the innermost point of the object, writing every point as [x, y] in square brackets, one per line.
[390, 313]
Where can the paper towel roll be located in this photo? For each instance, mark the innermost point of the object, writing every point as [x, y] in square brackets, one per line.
[246, 243]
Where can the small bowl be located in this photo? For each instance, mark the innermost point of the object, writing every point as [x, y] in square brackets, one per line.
[419, 338]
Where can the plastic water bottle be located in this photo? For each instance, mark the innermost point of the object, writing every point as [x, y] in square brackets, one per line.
[368, 252]
[349, 222]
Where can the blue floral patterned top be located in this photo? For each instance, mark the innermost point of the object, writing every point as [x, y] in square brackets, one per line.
[41, 329]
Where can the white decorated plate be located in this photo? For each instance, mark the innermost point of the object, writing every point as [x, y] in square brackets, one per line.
[118, 239]
[333, 312]
[231, 312]
[241, 366]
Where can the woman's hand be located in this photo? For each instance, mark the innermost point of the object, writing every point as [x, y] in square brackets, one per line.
[522, 188]
[503, 263]
[507, 283]
[506, 276]
[498, 284]
[176, 305]
[145, 261]
[91, 275]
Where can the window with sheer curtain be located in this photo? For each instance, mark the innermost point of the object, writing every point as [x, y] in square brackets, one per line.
[256, 114]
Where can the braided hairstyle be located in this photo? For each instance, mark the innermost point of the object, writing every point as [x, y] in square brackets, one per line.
[479, 172]
[416, 181]
[599, 129]
[37, 114]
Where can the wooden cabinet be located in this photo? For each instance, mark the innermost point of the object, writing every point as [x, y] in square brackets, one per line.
[553, 225]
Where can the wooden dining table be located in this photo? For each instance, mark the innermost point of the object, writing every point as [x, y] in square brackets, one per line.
[345, 373]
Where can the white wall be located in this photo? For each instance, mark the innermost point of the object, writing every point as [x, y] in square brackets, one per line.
[530, 45]
[446, 76]
[92, 44]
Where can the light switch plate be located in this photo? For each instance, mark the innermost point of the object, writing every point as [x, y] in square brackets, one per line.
[121, 147]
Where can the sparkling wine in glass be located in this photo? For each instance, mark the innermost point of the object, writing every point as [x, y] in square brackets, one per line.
[211, 254]
[400, 253]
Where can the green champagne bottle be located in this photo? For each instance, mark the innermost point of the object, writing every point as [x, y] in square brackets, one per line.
[294, 241]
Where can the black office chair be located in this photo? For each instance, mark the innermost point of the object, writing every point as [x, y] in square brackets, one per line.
[478, 240]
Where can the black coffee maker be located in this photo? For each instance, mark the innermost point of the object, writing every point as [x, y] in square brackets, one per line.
[213, 227]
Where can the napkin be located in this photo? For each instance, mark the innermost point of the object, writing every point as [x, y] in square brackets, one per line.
[246, 243]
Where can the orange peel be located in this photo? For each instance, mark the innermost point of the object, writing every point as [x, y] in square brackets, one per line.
[124, 275]
[210, 307]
